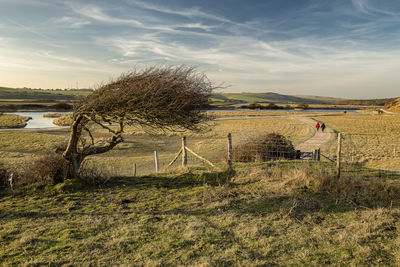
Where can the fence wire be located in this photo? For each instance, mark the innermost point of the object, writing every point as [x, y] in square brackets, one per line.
[362, 155]
[370, 155]
[246, 148]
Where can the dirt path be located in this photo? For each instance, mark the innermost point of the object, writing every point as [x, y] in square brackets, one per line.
[317, 139]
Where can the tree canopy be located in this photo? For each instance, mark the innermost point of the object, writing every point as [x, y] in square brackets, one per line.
[171, 98]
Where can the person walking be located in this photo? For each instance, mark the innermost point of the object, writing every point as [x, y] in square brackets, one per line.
[317, 126]
[323, 126]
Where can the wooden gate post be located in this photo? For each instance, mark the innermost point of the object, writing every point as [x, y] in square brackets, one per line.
[230, 155]
[184, 152]
[338, 154]
[156, 161]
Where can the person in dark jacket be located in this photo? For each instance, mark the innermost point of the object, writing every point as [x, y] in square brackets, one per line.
[323, 126]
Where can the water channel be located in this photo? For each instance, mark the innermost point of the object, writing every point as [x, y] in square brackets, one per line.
[39, 122]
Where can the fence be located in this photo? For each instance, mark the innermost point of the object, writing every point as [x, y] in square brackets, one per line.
[349, 155]
[369, 155]
[168, 153]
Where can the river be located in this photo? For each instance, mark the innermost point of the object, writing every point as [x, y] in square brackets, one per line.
[38, 121]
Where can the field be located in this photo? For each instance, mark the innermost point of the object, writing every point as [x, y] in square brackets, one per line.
[273, 213]
[265, 216]
[139, 147]
[369, 139]
[12, 99]
[13, 94]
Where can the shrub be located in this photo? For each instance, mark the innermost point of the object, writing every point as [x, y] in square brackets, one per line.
[48, 168]
[64, 106]
[302, 106]
[64, 120]
[267, 147]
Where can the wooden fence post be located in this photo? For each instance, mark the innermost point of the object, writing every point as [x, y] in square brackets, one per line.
[134, 169]
[156, 161]
[184, 152]
[230, 154]
[338, 155]
[318, 154]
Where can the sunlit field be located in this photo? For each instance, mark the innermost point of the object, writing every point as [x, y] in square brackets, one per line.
[19, 147]
[259, 214]
[370, 139]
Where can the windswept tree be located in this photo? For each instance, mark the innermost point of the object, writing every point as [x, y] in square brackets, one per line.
[168, 98]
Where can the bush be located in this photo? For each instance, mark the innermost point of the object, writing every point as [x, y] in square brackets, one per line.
[262, 148]
[64, 120]
[48, 168]
[302, 106]
[64, 106]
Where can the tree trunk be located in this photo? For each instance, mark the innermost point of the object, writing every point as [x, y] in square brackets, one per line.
[71, 153]
[73, 167]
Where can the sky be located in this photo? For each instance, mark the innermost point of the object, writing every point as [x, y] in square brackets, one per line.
[338, 48]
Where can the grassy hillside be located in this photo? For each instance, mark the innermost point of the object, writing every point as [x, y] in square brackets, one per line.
[16, 94]
[264, 216]
[273, 97]
[309, 99]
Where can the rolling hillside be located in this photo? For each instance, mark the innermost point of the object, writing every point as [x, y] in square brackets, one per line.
[309, 99]
[273, 98]
[14, 94]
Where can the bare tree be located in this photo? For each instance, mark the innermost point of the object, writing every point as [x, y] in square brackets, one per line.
[170, 98]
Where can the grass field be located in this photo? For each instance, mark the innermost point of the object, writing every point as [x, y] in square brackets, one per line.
[274, 213]
[19, 94]
[19, 147]
[265, 216]
[370, 139]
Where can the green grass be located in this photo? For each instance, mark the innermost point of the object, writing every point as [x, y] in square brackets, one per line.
[19, 94]
[272, 97]
[266, 215]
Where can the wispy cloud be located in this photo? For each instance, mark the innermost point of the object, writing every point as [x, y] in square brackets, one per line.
[324, 44]
[28, 28]
[98, 14]
[72, 22]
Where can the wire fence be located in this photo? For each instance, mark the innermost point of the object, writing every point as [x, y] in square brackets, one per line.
[205, 153]
[349, 155]
[370, 155]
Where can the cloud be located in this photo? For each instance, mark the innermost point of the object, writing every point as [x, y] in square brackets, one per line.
[367, 8]
[72, 22]
[98, 14]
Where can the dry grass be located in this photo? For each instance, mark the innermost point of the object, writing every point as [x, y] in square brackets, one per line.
[63, 120]
[371, 139]
[266, 215]
[13, 121]
[18, 147]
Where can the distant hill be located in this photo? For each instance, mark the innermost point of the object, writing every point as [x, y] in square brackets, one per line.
[25, 94]
[394, 105]
[287, 99]
[365, 102]
[274, 98]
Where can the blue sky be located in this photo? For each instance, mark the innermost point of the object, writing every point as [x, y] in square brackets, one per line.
[341, 48]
